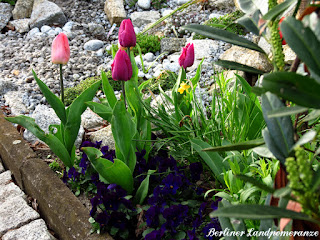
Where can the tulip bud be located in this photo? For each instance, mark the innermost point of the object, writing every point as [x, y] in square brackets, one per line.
[121, 68]
[280, 33]
[127, 36]
[186, 58]
[60, 51]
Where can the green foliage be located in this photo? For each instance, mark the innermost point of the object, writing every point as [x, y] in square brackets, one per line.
[226, 22]
[158, 4]
[73, 92]
[55, 166]
[166, 80]
[11, 2]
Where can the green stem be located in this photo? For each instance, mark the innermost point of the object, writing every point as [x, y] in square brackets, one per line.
[124, 94]
[296, 9]
[61, 85]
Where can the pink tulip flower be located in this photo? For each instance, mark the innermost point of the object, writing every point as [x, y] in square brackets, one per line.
[60, 51]
[127, 36]
[186, 58]
[121, 68]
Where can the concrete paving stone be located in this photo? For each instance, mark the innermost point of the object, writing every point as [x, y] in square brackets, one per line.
[10, 191]
[15, 213]
[5, 178]
[36, 230]
[1, 168]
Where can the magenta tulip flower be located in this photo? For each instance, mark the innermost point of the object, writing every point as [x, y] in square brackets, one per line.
[186, 58]
[127, 36]
[121, 68]
[60, 52]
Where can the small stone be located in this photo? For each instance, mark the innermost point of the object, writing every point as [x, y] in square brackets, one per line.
[89, 119]
[143, 18]
[37, 229]
[45, 28]
[21, 25]
[5, 178]
[144, 4]
[93, 45]
[115, 11]
[15, 213]
[32, 32]
[172, 44]
[149, 57]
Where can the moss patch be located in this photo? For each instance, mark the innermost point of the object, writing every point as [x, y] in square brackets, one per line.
[226, 22]
[166, 79]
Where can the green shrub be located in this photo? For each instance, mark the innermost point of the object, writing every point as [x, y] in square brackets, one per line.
[147, 43]
[226, 22]
[11, 2]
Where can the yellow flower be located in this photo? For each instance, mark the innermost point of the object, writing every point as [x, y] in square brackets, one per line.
[183, 87]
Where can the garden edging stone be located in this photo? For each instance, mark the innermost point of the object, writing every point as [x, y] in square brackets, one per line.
[58, 206]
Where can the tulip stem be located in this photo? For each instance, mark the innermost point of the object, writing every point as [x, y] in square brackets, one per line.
[61, 84]
[124, 94]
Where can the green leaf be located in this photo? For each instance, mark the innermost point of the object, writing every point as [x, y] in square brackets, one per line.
[224, 195]
[303, 42]
[272, 146]
[237, 146]
[238, 66]
[123, 130]
[307, 137]
[196, 77]
[286, 111]
[248, 6]
[249, 192]
[52, 141]
[299, 89]
[102, 110]
[52, 99]
[280, 129]
[114, 172]
[108, 90]
[316, 181]
[279, 9]
[256, 183]
[219, 34]
[143, 189]
[225, 222]
[263, 151]
[250, 22]
[282, 192]
[75, 110]
[213, 160]
[253, 211]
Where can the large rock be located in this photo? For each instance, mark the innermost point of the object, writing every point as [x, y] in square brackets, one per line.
[44, 117]
[22, 9]
[89, 119]
[5, 178]
[115, 11]
[10, 191]
[172, 45]
[46, 13]
[248, 57]
[6, 86]
[14, 213]
[145, 17]
[93, 45]
[5, 14]
[14, 101]
[104, 135]
[37, 229]
[21, 25]
[289, 54]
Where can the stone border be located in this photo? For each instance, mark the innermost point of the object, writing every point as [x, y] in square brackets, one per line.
[58, 206]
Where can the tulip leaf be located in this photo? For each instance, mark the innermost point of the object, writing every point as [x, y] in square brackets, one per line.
[280, 129]
[237, 146]
[304, 43]
[52, 99]
[212, 159]
[238, 66]
[299, 89]
[286, 111]
[114, 172]
[108, 90]
[219, 34]
[197, 76]
[102, 110]
[124, 130]
[279, 9]
[74, 112]
[52, 141]
[143, 189]
[250, 22]
[255, 211]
